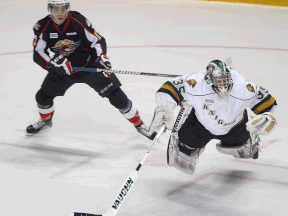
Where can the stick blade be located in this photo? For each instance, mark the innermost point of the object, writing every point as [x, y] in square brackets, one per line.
[83, 214]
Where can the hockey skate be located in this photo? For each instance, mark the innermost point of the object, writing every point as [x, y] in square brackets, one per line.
[144, 130]
[249, 150]
[38, 126]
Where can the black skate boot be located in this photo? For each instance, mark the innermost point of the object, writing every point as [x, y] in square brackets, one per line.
[39, 125]
[143, 129]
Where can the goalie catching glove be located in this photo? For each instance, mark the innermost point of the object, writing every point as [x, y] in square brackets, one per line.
[60, 65]
[163, 114]
[262, 124]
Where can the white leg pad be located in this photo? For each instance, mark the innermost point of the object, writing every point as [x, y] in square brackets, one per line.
[245, 151]
[180, 160]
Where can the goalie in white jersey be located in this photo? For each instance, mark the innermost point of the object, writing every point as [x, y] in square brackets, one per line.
[213, 106]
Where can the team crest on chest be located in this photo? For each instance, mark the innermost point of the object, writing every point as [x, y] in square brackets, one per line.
[192, 83]
[65, 47]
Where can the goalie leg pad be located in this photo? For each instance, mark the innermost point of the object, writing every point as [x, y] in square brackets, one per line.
[184, 158]
[248, 150]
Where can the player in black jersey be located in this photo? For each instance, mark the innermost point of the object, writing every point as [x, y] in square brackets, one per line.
[73, 40]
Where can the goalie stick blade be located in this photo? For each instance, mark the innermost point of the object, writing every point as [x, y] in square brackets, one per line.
[82, 214]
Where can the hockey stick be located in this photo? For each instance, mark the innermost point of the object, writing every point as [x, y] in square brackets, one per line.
[122, 72]
[228, 61]
[126, 187]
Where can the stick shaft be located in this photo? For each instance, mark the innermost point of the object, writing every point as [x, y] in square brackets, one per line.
[130, 181]
[122, 72]
[126, 187]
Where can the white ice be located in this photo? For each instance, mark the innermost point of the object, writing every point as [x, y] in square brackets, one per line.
[83, 160]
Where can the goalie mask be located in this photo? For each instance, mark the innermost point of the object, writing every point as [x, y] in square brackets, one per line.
[218, 75]
[58, 10]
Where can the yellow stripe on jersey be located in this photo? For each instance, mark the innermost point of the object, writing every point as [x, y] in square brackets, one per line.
[97, 35]
[264, 105]
[172, 91]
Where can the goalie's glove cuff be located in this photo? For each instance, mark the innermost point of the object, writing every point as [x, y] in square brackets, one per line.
[262, 124]
[163, 114]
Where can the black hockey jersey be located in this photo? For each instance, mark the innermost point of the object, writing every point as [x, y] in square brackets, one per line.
[76, 39]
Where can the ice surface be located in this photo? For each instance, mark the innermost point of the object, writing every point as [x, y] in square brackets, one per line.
[83, 160]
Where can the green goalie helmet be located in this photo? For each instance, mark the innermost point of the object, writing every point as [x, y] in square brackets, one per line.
[219, 77]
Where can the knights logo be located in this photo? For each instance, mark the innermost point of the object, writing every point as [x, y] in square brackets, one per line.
[192, 83]
[65, 47]
[250, 88]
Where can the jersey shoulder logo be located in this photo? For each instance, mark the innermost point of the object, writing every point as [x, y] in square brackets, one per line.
[250, 88]
[192, 83]
[37, 26]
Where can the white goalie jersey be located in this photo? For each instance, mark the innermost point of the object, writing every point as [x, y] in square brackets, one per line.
[218, 114]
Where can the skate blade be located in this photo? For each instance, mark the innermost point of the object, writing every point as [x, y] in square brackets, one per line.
[42, 129]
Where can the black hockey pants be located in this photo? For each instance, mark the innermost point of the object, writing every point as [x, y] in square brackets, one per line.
[55, 85]
[195, 135]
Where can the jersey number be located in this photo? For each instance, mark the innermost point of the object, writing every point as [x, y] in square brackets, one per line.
[181, 88]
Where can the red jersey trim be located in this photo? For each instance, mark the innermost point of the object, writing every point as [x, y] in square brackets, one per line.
[87, 30]
[66, 24]
[82, 25]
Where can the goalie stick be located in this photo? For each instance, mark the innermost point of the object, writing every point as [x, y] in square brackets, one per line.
[121, 72]
[126, 187]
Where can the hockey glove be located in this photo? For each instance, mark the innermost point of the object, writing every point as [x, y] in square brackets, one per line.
[60, 65]
[262, 124]
[163, 114]
[103, 62]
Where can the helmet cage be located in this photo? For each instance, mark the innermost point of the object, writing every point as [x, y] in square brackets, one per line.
[219, 76]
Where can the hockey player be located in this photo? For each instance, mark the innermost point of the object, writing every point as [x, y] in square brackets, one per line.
[73, 40]
[214, 103]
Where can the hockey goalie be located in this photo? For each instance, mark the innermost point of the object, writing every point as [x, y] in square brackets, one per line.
[214, 105]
